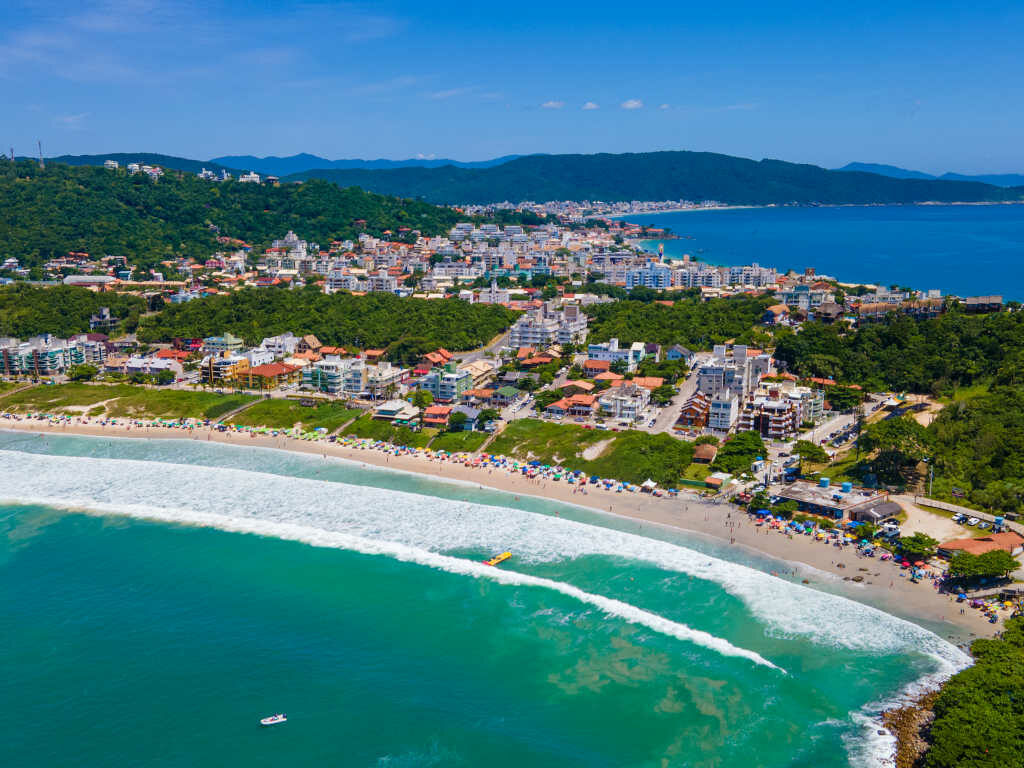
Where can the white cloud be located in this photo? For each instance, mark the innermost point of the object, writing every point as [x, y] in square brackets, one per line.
[71, 121]
[421, 156]
[590, 105]
[553, 104]
[663, 106]
[452, 93]
[632, 104]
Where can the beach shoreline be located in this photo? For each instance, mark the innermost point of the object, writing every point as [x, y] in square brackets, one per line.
[813, 563]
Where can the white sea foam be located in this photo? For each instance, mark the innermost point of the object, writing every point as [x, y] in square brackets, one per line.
[375, 517]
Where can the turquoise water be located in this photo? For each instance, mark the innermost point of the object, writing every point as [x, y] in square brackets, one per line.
[965, 250]
[159, 597]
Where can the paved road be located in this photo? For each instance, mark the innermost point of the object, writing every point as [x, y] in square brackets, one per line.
[487, 351]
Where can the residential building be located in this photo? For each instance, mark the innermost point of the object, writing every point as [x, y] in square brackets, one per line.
[448, 383]
[547, 325]
[613, 353]
[396, 411]
[694, 413]
[626, 402]
[723, 411]
[272, 375]
[104, 321]
[436, 416]
[224, 368]
[217, 345]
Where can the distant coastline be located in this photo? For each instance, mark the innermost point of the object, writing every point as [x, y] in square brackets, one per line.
[924, 246]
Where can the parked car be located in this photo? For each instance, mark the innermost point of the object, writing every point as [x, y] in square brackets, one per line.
[959, 517]
[984, 526]
[973, 521]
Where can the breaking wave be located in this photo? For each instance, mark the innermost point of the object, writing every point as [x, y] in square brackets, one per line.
[422, 528]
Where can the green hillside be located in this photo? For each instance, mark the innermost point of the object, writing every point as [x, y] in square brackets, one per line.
[48, 213]
[146, 158]
[656, 176]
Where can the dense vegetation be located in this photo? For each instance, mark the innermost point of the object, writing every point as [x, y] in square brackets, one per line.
[48, 213]
[979, 714]
[690, 322]
[931, 356]
[654, 176]
[976, 446]
[738, 452]
[61, 310]
[149, 158]
[377, 320]
[632, 456]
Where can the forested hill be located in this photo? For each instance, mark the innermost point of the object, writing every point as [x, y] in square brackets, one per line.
[148, 158]
[657, 176]
[47, 213]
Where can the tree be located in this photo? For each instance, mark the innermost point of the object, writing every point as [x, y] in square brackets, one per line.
[546, 398]
[421, 398]
[487, 414]
[663, 394]
[918, 546]
[901, 443]
[457, 421]
[994, 564]
[808, 451]
[82, 372]
[739, 452]
[165, 377]
[706, 440]
[618, 366]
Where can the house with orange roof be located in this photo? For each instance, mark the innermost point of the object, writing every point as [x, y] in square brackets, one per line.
[1008, 541]
[373, 355]
[436, 416]
[611, 376]
[272, 375]
[592, 368]
[578, 387]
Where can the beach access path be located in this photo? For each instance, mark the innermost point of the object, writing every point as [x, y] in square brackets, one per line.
[816, 563]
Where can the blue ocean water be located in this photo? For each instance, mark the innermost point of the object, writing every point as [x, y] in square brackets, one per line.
[965, 250]
[158, 597]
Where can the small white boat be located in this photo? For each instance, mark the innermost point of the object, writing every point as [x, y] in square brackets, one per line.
[274, 720]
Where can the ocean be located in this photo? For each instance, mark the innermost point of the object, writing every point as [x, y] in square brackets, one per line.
[965, 250]
[160, 596]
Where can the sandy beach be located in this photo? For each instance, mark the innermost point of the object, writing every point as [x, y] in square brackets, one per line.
[884, 585]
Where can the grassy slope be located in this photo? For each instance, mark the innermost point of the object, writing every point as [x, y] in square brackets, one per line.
[458, 441]
[283, 414]
[121, 400]
[633, 456]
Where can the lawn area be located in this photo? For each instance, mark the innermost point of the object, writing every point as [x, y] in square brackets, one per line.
[965, 393]
[459, 441]
[283, 414]
[377, 429]
[6, 385]
[838, 471]
[698, 472]
[121, 400]
[175, 404]
[632, 455]
[62, 398]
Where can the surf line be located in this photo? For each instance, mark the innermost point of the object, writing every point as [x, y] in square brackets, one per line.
[336, 540]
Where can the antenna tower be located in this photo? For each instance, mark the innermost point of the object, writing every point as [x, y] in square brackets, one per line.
[42, 163]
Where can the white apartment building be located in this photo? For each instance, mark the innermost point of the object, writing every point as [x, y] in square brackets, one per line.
[626, 402]
[548, 325]
[612, 352]
[724, 411]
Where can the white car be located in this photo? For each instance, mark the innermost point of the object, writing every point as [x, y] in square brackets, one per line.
[973, 521]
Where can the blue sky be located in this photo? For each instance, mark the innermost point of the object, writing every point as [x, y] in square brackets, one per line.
[936, 86]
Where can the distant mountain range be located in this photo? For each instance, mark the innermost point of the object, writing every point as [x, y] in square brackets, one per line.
[658, 176]
[284, 166]
[608, 177]
[995, 179]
